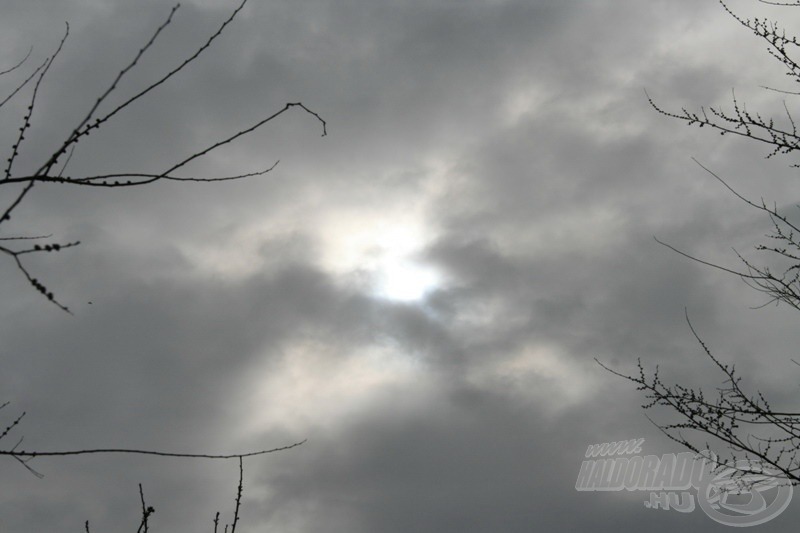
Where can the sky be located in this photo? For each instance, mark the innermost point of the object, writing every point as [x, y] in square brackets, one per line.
[420, 294]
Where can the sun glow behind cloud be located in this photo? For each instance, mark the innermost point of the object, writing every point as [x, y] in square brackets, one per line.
[375, 244]
[380, 252]
[406, 281]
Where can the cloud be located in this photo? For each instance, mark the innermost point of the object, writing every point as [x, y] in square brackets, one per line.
[505, 146]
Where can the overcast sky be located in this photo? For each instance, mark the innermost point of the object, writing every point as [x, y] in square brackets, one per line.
[421, 293]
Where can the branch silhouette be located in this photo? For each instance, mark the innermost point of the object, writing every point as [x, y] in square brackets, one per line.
[53, 167]
[746, 423]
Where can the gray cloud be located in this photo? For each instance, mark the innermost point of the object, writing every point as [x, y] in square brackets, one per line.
[508, 145]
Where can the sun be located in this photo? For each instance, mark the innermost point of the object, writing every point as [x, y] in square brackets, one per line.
[384, 252]
[405, 281]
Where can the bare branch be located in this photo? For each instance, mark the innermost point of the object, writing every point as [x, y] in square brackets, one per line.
[15, 67]
[34, 454]
[46, 173]
[786, 4]
[147, 510]
[238, 497]
[22, 85]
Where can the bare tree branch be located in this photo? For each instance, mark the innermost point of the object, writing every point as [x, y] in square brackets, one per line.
[15, 67]
[51, 168]
[91, 122]
[34, 454]
[745, 423]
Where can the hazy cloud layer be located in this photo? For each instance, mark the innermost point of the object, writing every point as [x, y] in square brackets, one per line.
[421, 294]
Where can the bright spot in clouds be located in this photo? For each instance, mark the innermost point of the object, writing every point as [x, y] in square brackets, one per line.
[374, 244]
[380, 251]
[405, 281]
